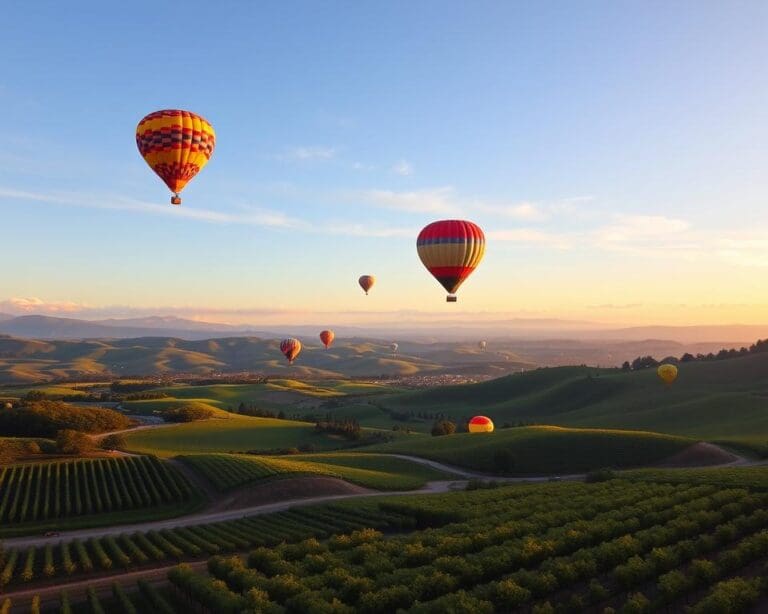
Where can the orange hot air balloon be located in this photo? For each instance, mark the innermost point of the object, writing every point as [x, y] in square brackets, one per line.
[176, 144]
[451, 250]
[290, 349]
[480, 424]
[366, 282]
[327, 337]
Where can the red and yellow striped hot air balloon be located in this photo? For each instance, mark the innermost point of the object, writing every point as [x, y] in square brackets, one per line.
[176, 144]
[366, 282]
[480, 424]
[327, 337]
[290, 349]
[451, 249]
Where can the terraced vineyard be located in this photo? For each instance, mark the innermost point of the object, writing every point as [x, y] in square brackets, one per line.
[572, 547]
[129, 551]
[57, 490]
[228, 471]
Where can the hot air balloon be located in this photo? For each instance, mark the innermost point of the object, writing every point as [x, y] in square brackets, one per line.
[450, 250]
[480, 424]
[176, 144]
[290, 349]
[394, 347]
[667, 372]
[482, 345]
[327, 337]
[366, 282]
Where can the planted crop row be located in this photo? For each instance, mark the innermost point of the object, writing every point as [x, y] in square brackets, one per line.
[533, 548]
[46, 491]
[144, 549]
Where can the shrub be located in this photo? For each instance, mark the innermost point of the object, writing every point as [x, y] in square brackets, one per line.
[601, 475]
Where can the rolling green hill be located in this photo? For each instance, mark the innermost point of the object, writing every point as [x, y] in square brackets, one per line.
[540, 450]
[231, 434]
[228, 471]
[718, 400]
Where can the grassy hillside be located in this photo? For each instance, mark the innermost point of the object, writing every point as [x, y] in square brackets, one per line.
[28, 361]
[541, 449]
[228, 471]
[723, 400]
[232, 434]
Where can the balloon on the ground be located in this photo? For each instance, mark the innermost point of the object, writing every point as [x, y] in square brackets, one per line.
[451, 250]
[480, 424]
[290, 349]
[327, 337]
[176, 145]
[366, 282]
[667, 372]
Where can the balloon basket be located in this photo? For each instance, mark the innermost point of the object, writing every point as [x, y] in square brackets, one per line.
[450, 298]
[175, 199]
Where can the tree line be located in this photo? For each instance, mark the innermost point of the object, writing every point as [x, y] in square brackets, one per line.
[646, 362]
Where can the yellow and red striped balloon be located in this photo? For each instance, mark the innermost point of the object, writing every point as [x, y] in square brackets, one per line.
[480, 424]
[327, 337]
[177, 145]
[451, 250]
[290, 349]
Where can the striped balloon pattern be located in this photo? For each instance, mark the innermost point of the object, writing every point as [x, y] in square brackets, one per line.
[480, 424]
[290, 349]
[176, 145]
[451, 250]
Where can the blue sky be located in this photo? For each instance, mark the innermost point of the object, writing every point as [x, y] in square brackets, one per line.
[614, 153]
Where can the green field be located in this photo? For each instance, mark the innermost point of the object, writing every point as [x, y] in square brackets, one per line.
[232, 434]
[72, 493]
[719, 400]
[541, 450]
[228, 471]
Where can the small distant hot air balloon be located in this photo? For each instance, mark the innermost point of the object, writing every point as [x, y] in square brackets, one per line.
[451, 250]
[394, 347]
[290, 349]
[327, 337]
[480, 424]
[667, 372]
[177, 145]
[482, 345]
[366, 282]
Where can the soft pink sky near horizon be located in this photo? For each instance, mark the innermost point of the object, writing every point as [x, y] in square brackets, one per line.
[631, 314]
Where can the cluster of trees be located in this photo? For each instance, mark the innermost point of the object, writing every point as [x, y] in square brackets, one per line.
[259, 412]
[443, 427]
[349, 428]
[645, 362]
[188, 413]
[46, 418]
[149, 395]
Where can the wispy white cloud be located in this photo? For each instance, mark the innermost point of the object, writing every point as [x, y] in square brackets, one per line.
[520, 211]
[528, 236]
[305, 153]
[402, 167]
[436, 200]
[31, 304]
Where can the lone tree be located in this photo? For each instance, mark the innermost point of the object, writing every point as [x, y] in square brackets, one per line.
[115, 441]
[443, 427]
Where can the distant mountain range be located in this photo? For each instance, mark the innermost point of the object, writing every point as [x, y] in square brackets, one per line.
[49, 327]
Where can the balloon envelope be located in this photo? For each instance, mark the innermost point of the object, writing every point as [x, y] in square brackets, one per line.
[394, 347]
[482, 345]
[327, 337]
[667, 372]
[290, 349]
[480, 424]
[176, 144]
[366, 282]
[451, 250]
